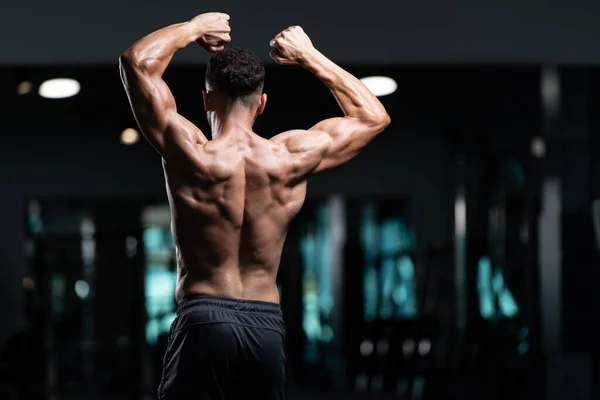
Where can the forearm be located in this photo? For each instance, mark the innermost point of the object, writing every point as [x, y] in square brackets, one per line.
[154, 52]
[355, 99]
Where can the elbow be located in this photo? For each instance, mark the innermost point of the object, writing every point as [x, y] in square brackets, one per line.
[126, 58]
[130, 59]
[381, 121]
[376, 117]
[385, 120]
[375, 123]
[126, 63]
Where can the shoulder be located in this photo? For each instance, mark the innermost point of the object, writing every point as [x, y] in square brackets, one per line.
[208, 161]
[299, 152]
[299, 141]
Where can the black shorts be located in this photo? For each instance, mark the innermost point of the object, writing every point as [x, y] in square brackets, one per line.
[221, 348]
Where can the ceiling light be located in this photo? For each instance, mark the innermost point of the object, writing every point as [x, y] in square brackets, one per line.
[380, 85]
[24, 88]
[59, 88]
[129, 136]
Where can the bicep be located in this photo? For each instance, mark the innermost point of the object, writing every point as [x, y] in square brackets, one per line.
[347, 137]
[326, 145]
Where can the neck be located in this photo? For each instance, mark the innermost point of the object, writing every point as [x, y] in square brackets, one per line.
[234, 117]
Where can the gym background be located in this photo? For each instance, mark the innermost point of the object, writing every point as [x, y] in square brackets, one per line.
[456, 257]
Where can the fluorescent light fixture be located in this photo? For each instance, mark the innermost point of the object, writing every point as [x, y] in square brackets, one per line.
[380, 85]
[59, 88]
[129, 136]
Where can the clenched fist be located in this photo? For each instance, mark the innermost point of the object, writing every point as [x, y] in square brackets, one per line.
[214, 31]
[291, 46]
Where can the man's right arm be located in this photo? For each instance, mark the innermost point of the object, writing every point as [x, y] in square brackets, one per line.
[153, 105]
[334, 141]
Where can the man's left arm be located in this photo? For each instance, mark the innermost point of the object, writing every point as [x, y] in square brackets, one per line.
[153, 105]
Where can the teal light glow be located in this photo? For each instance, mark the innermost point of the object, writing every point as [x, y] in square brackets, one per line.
[389, 286]
[159, 282]
[495, 298]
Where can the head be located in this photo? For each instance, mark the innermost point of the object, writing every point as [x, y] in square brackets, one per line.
[234, 80]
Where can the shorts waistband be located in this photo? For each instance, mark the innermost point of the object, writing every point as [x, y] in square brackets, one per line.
[228, 303]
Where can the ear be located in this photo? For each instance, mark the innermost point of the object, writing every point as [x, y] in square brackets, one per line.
[262, 103]
[206, 99]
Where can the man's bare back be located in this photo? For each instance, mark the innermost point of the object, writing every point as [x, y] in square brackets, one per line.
[231, 217]
[233, 198]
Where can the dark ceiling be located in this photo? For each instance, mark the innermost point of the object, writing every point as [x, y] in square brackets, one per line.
[353, 31]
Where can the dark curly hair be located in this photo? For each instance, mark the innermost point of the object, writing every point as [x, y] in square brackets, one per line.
[235, 71]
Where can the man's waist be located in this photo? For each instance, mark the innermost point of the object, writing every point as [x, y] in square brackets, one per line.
[226, 283]
[203, 309]
[228, 303]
